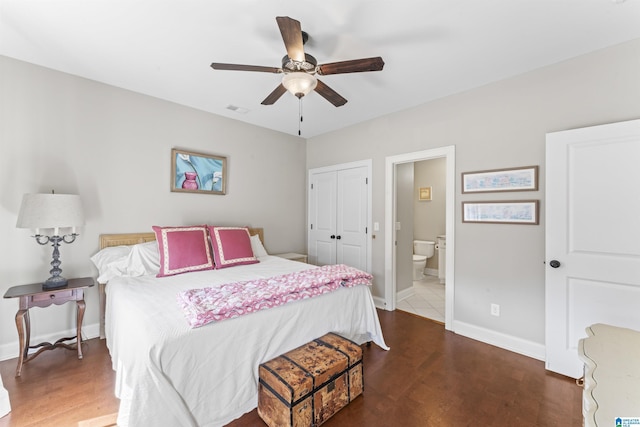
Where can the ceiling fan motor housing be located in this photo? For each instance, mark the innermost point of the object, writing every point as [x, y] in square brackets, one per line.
[308, 65]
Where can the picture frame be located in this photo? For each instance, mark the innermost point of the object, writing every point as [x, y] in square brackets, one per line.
[193, 172]
[424, 193]
[502, 212]
[501, 180]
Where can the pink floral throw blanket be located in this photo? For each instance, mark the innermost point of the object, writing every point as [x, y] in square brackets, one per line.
[202, 306]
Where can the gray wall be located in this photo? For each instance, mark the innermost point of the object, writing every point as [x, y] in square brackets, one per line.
[113, 147]
[498, 125]
[404, 236]
[429, 216]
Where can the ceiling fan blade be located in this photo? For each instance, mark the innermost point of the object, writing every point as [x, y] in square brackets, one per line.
[292, 36]
[275, 95]
[330, 95]
[353, 66]
[237, 67]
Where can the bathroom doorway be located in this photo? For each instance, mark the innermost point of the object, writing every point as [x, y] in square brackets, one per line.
[420, 225]
[413, 196]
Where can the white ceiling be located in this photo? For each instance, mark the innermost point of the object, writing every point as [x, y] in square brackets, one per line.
[431, 48]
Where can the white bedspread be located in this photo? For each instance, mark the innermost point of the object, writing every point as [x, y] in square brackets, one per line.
[5, 405]
[171, 375]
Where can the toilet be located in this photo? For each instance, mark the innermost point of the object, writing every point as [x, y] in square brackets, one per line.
[422, 250]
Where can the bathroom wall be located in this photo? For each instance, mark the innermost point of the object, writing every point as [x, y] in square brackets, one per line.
[429, 216]
[405, 220]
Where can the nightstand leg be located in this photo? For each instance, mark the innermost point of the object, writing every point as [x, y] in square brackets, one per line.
[80, 314]
[22, 319]
[27, 324]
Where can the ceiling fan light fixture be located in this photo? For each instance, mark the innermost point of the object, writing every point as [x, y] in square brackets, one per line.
[299, 83]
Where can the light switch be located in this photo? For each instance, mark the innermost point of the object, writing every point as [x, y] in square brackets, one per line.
[398, 225]
[376, 226]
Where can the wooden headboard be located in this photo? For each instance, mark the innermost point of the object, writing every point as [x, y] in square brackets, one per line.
[125, 239]
[107, 240]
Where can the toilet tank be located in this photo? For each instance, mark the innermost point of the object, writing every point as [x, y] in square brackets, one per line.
[424, 247]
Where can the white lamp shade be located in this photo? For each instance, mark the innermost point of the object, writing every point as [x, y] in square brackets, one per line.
[299, 83]
[50, 211]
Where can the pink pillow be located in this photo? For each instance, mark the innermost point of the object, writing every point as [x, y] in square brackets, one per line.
[231, 246]
[183, 249]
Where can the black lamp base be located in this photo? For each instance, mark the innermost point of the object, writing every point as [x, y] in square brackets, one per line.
[55, 282]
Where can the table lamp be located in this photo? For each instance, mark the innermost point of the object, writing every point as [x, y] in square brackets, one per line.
[52, 212]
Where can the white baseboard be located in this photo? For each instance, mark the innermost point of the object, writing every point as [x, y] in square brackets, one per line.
[380, 303]
[10, 350]
[405, 293]
[498, 339]
[431, 272]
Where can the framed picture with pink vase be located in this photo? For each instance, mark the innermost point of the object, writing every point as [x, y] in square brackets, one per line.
[198, 172]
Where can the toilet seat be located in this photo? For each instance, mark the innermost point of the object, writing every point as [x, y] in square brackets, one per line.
[419, 258]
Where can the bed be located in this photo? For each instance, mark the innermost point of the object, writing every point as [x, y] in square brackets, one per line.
[170, 374]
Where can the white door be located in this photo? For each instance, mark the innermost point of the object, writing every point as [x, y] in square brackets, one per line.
[351, 218]
[592, 236]
[338, 217]
[322, 218]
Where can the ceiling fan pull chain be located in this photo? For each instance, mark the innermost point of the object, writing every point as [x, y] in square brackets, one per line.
[300, 115]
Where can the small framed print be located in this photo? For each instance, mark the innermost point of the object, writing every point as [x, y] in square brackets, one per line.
[198, 173]
[424, 193]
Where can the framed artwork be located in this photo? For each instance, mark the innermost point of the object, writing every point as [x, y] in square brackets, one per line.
[198, 173]
[513, 179]
[424, 193]
[502, 212]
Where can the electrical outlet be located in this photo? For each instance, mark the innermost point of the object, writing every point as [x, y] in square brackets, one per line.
[495, 310]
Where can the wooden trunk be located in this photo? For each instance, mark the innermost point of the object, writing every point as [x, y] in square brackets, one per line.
[309, 384]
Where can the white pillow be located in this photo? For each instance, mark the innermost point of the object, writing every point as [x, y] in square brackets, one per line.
[111, 262]
[257, 247]
[144, 259]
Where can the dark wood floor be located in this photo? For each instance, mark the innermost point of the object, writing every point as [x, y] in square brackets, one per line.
[430, 377]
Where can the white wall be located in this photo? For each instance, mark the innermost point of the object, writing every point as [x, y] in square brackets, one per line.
[499, 125]
[113, 147]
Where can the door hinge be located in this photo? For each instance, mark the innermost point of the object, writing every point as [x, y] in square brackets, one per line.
[366, 181]
[312, 186]
[312, 226]
[366, 230]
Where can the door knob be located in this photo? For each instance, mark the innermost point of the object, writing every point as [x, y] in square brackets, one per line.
[338, 237]
[554, 263]
[333, 236]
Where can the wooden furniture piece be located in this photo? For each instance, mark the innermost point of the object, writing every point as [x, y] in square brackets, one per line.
[34, 296]
[293, 256]
[308, 385]
[126, 239]
[611, 357]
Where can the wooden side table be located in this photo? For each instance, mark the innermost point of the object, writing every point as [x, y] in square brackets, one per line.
[34, 296]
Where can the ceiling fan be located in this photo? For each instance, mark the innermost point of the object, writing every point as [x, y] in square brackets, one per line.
[300, 68]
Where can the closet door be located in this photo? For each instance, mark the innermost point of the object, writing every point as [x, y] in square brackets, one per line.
[322, 215]
[338, 216]
[351, 218]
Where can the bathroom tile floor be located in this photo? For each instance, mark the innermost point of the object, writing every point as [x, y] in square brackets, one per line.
[427, 299]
